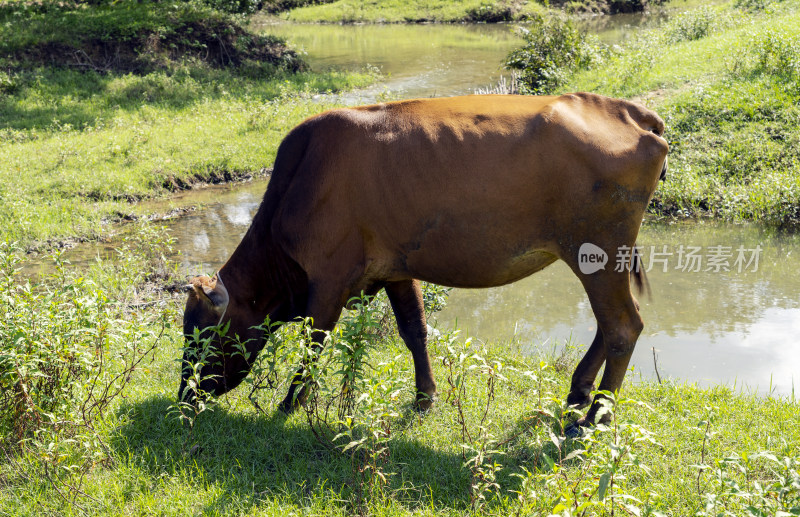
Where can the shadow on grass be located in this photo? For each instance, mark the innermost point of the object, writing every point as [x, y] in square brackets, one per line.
[252, 458]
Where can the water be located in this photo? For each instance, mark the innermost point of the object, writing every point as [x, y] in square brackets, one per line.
[435, 60]
[736, 327]
[731, 327]
[416, 60]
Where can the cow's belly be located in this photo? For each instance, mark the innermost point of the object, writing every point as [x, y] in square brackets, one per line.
[476, 269]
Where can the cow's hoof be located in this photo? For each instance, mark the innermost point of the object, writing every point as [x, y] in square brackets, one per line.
[578, 399]
[576, 429]
[424, 402]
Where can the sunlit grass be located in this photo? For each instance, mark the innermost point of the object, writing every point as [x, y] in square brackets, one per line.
[77, 148]
[237, 460]
[730, 98]
[395, 11]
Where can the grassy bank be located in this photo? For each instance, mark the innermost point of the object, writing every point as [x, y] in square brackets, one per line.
[727, 82]
[493, 445]
[442, 11]
[415, 11]
[725, 78]
[89, 358]
[80, 145]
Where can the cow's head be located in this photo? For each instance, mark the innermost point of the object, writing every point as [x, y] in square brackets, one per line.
[214, 360]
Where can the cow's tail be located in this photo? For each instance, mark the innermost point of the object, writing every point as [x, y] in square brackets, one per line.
[638, 274]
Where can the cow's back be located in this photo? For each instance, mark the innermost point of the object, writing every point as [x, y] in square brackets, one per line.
[472, 187]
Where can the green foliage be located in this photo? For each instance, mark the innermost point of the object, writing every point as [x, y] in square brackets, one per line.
[751, 119]
[592, 473]
[605, 6]
[755, 485]
[235, 6]
[277, 6]
[777, 54]
[80, 142]
[91, 144]
[726, 83]
[434, 297]
[68, 351]
[495, 443]
[135, 36]
[691, 25]
[754, 6]
[554, 49]
[415, 11]
[494, 12]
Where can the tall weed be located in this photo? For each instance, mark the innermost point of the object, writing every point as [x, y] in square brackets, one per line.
[67, 352]
[691, 25]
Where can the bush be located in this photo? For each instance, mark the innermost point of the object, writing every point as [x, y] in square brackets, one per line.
[691, 25]
[235, 6]
[554, 48]
[494, 12]
[68, 349]
[753, 6]
[777, 54]
[277, 6]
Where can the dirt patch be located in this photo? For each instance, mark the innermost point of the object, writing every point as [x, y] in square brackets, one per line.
[200, 180]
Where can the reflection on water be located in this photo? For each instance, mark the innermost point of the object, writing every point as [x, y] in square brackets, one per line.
[417, 60]
[706, 326]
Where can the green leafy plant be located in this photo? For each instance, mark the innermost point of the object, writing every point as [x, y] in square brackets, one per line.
[691, 25]
[67, 353]
[554, 49]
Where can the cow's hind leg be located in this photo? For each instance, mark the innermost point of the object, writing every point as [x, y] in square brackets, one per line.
[585, 373]
[409, 310]
[619, 324]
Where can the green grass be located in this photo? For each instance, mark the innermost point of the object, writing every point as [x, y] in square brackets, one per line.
[237, 460]
[132, 36]
[396, 11]
[80, 145]
[727, 82]
[78, 148]
[443, 11]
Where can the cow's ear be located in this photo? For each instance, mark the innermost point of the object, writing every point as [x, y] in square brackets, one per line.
[216, 293]
[210, 290]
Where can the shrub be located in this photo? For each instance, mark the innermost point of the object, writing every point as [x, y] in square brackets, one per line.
[554, 48]
[753, 6]
[691, 25]
[777, 54]
[277, 6]
[67, 351]
[494, 12]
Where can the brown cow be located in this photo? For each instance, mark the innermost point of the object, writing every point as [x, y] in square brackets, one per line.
[474, 191]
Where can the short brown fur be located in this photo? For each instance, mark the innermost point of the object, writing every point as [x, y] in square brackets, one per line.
[473, 191]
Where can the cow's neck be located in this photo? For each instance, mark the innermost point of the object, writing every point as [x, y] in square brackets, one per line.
[249, 277]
